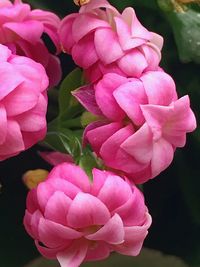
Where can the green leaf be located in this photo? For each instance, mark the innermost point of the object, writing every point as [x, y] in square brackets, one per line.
[65, 141]
[88, 161]
[72, 81]
[186, 29]
[147, 258]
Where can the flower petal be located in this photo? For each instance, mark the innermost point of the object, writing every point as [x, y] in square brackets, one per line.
[112, 232]
[57, 208]
[74, 255]
[87, 210]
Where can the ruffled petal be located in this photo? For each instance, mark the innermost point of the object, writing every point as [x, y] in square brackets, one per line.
[87, 210]
[112, 232]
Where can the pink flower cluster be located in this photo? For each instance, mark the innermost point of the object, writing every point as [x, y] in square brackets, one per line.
[74, 220]
[101, 40]
[23, 81]
[139, 124]
[23, 103]
[21, 30]
[140, 119]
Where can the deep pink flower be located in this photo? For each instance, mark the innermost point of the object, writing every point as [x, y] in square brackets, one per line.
[103, 41]
[74, 220]
[141, 122]
[23, 103]
[21, 30]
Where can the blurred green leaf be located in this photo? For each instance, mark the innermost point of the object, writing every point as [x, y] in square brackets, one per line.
[186, 29]
[147, 258]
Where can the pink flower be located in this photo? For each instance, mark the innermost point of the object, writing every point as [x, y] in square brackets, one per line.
[74, 220]
[141, 122]
[23, 103]
[21, 30]
[101, 40]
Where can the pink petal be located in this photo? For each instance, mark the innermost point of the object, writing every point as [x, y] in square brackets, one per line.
[93, 73]
[114, 192]
[182, 119]
[86, 96]
[46, 189]
[71, 173]
[87, 210]
[99, 251]
[53, 70]
[30, 30]
[156, 118]
[126, 40]
[5, 53]
[57, 208]
[8, 84]
[20, 100]
[140, 145]
[3, 125]
[110, 39]
[133, 211]
[54, 235]
[133, 63]
[137, 29]
[134, 238]
[49, 253]
[35, 119]
[31, 201]
[152, 56]
[13, 143]
[129, 96]
[54, 158]
[163, 154]
[35, 218]
[74, 255]
[112, 232]
[104, 96]
[86, 23]
[65, 32]
[99, 178]
[160, 88]
[97, 136]
[27, 223]
[114, 156]
[157, 40]
[84, 53]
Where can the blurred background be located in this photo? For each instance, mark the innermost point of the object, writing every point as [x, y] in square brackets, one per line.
[173, 198]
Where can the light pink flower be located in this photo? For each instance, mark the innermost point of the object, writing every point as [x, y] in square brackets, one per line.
[21, 30]
[23, 103]
[141, 122]
[74, 220]
[101, 40]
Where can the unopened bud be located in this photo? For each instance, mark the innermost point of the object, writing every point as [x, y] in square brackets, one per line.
[81, 2]
[33, 177]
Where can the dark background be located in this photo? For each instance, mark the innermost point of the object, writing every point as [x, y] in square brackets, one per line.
[173, 198]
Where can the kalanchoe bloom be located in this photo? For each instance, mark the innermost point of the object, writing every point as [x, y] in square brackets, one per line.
[23, 103]
[74, 220]
[141, 122]
[21, 30]
[102, 40]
